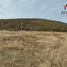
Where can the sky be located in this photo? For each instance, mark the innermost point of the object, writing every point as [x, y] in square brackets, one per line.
[46, 9]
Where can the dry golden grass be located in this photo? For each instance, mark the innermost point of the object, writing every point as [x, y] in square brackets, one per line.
[33, 49]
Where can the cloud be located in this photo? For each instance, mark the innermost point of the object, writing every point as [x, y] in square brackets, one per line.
[48, 9]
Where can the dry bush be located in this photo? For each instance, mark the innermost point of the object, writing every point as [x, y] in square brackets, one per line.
[33, 49]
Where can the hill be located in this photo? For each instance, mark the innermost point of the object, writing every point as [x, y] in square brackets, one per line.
[32, 24]
[29, 43]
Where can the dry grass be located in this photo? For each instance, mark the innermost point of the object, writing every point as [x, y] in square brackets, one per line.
[33, 49]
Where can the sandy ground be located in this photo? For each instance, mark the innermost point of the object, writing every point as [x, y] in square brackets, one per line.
[33, 49]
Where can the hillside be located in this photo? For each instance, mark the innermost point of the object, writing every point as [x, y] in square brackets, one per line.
[33, 43]
[32, 24]
[33, 49]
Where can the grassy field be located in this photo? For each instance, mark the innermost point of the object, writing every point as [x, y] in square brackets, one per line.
[33, 49]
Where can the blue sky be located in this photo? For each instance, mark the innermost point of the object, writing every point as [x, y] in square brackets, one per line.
[47, 9]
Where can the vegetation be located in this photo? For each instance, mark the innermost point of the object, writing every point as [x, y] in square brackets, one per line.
[32, 24]
[33, 49]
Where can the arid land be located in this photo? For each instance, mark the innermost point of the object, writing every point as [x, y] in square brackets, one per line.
[33, 49]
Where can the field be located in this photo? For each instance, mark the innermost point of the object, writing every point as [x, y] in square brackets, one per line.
[33, 49]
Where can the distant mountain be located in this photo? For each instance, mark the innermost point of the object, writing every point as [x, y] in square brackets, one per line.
[32, 25]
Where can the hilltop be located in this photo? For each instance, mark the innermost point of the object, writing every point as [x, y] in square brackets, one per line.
[32, 25]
